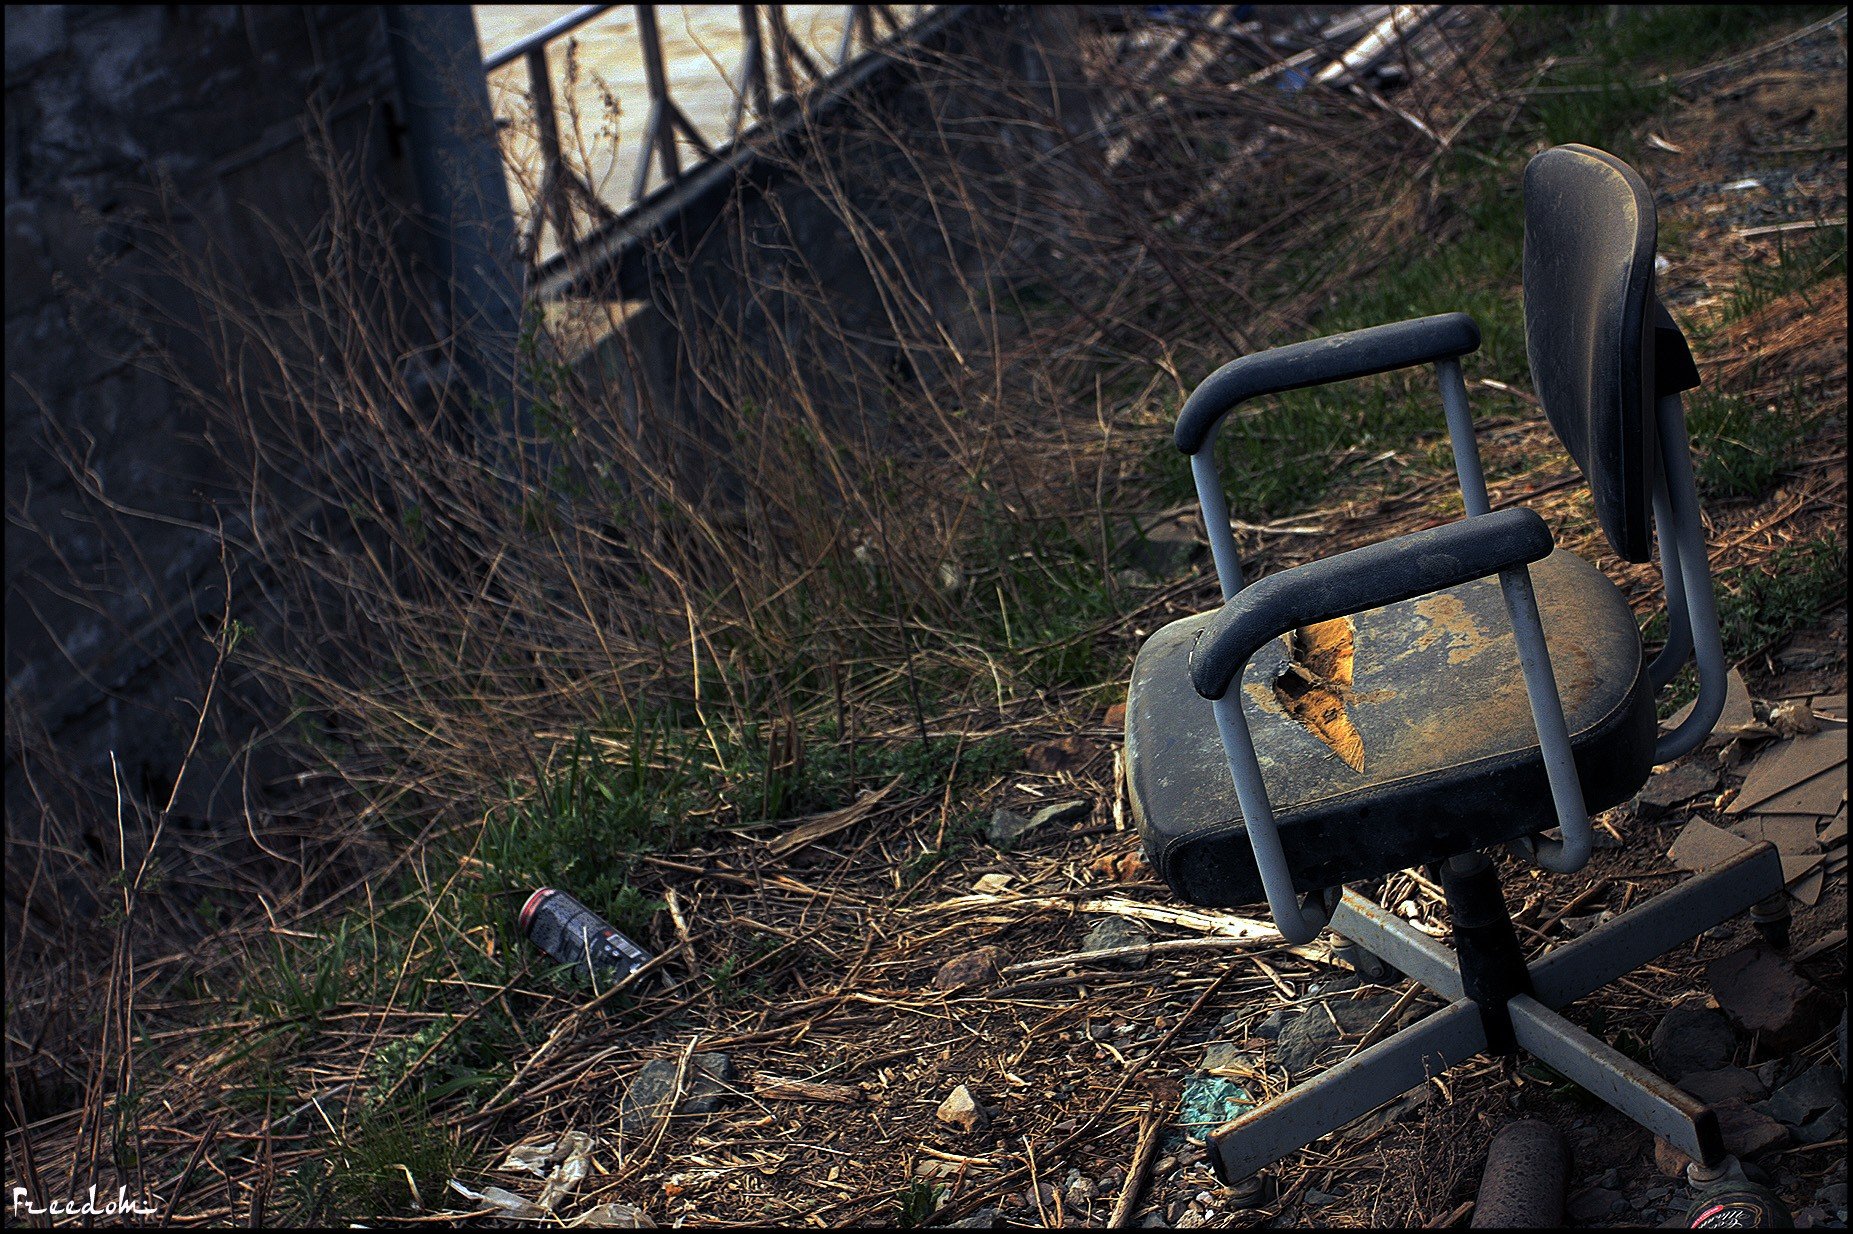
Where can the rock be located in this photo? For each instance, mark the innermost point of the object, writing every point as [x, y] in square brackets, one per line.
[1270, 1027]
[1815, 1091]
[1834, 1195]
[1223, 1055]
[1061, 812]
[1823, 1127]
[1594, 1204]
[1724, 1084]
[960, 1109]
[1675, 786]
[1318, 1198]
[1764, 994]
[1059, 754]
[1116, 716]
[977, 967]
[1007, 827]
[1793, 718]
[1163, 549]
[705, 1085]
[1078, 1189]
[1746, 1132]
[1311, 1032]
[984, 1219]
[1691, 1038]
[1110, 932]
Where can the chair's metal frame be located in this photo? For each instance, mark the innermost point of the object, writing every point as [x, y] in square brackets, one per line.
[1498, 1004]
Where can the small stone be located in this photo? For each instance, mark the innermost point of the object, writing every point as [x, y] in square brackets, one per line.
[1813, 1092]
[1116, 716]
[1834, 1195]
[1594, 1203]
[1764, 994]
[1079, 1189]
[1270, 1027]
[1310, 1033]
[1611, 1179]
[1724, 1084]
[1061, 812]
[1111, 932]
[960, 1109]
[1318, 1198]
[1691, 1038]
[1675, 786]
[1224, 1055]
[977, 967]
[1163, 549]
[1747, 1133]
[704, 1086]
[1058, 754]
[985, 1218]
[1007, 827]
[1040, 1191]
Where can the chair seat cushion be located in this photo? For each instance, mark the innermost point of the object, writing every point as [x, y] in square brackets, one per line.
[1436, 713]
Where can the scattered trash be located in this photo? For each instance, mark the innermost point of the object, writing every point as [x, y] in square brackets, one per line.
[613, 1216]
[1738, 186]
[573, 934]
[507, 1201]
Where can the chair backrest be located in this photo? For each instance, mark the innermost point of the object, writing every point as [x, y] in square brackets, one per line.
[1601, 347]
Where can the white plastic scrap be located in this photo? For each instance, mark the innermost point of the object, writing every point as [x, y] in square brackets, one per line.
[614, 1216]
[563, 1161]
[507, 1201]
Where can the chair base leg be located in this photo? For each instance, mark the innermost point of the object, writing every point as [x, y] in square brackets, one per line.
[1399, 1063]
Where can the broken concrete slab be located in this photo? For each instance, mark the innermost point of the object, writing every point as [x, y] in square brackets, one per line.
[1835, 832]
[1807, 888]
[706, 1082]
[1762, 993]
[1700, 846]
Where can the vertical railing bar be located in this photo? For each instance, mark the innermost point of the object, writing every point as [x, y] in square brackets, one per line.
[659, 139]
[552, 203]
[849, 34]
[752, 71]
[794, 50]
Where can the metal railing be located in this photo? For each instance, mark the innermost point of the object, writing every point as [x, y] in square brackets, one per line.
[762, 84]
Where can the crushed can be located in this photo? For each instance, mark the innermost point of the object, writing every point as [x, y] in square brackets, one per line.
[573, 934]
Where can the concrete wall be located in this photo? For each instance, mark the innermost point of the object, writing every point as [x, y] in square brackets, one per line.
[106, 613]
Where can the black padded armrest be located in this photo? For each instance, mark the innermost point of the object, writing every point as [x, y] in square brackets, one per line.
[1319, 361]
[1364, 578]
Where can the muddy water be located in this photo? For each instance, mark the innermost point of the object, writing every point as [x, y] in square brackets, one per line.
[603, 114]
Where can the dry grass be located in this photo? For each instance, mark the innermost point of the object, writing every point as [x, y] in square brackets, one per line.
[470, 619]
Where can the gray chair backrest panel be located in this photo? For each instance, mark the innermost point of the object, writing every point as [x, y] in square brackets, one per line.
[1590, 329]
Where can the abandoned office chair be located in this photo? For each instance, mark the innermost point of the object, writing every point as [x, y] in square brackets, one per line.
[1426, 747]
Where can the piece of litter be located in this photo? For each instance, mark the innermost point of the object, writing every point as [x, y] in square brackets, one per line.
[574, 1153]
[613, 1216]
[1790, 764]
[1791, 833]
[1660, 143]
[507, 1201]
[1820, 795]
[532, 1157]
[1808, 888]
[1737, 186]
[991, 884]
[1701, 846]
